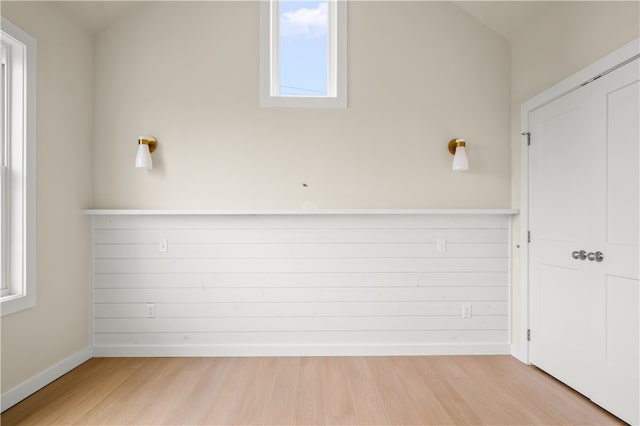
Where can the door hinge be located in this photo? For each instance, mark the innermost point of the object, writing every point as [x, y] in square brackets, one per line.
[528, 135]
[528, 236]
[528, 334]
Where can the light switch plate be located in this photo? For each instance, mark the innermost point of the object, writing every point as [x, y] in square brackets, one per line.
[151, 310]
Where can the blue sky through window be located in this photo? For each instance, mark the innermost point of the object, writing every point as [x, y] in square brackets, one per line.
[303, 48]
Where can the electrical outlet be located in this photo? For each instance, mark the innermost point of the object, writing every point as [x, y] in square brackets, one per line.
[163, 246]
[151, 310]
[441, 245]
[466, 310]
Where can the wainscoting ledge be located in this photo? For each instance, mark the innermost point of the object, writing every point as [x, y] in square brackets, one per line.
[508, 212]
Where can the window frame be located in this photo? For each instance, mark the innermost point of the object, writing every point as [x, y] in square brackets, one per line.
[336, 64]
[4, 133]
[18, 205]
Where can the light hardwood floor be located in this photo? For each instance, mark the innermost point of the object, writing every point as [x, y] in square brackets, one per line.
[438, 390]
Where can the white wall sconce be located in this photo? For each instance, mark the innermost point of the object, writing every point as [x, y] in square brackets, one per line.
[146, 145]
[458, 147]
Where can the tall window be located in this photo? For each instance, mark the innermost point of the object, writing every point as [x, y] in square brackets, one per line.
[17, 169]
[303, 53]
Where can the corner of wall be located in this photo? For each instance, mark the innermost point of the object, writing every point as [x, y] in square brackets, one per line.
[57, 329]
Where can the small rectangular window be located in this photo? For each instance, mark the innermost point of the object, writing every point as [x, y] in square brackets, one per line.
[303, 53]
[17, 169]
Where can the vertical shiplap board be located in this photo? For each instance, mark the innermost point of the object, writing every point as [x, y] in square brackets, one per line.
[251, 285]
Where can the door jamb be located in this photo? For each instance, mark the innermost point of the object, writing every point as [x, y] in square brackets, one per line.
[567, 85]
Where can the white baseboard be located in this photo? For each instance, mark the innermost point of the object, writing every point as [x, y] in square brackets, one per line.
[519, 353]
[300, 350]
[37, 382]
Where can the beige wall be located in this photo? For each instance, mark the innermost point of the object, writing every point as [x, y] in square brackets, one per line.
[58, 326]
[420, 73]
[567, 38]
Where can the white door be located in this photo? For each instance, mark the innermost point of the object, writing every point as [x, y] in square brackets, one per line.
[584, 196]
[616, 127]
[558, 203]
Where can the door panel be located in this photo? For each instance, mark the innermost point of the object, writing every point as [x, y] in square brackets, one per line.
[556, 184]
[559, 333]
[623, 151]
[616, 100]
[585, 195]
[559, 167]
[615, 378]
[621, 324]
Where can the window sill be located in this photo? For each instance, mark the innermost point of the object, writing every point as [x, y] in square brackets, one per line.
[16, 303]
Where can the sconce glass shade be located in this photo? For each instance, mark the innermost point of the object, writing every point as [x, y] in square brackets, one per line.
[143, 157]
[460, 159]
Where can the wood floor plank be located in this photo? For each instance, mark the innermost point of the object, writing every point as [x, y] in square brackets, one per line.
[310, 401]
[546, 406]
[170, 393]
[228, 397]
[396, 402]
[252, 406]
[199, 398]
[280, 409]
[435, 372]
[339, 409]
[490, 401]
[92, 390]
[424, 401]
[439, 390]
[364, 392]
[121, 403]
[144, 403]
[505, 394]
[490, 405]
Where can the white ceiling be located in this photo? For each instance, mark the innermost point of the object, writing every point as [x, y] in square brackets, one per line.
[506, 18]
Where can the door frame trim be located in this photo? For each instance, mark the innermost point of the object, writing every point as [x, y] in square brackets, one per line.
[520, 350]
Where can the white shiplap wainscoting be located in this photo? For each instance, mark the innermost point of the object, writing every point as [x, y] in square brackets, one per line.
[300, 282]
